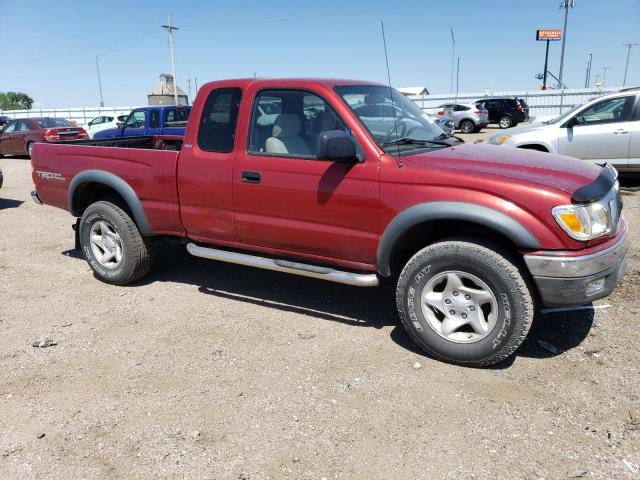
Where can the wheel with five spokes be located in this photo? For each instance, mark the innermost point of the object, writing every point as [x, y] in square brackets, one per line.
[465, 302]
[112, 245]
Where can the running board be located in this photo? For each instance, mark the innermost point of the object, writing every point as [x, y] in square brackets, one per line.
[295, 268]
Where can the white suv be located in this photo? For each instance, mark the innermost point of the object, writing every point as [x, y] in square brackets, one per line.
[602, 129]
[105, 122]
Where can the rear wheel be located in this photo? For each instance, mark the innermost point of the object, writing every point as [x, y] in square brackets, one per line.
[464, 302]
[505, 121]
[467, 126]
[29, 148]
[112, 245]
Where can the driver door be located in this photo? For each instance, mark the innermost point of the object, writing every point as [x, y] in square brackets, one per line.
[287, 200]
[135, 124]
[600, 133]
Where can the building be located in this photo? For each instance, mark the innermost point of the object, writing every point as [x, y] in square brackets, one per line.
[413, 91]
[163, 92]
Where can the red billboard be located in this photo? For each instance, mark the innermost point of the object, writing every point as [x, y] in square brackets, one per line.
[547, 34]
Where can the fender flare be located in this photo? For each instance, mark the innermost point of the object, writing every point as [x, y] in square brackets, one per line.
[469, 212]
[120, 186]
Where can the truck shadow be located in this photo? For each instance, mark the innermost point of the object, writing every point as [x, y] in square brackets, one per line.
[363, 307]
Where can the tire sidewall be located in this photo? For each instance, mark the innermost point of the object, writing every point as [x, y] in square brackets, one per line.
[467, 122]
[96, 213]
[510, 120]
[510, 307]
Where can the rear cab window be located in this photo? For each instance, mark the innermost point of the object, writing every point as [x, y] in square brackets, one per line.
[217, 129]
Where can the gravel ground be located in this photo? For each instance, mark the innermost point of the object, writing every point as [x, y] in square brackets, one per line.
[208, 370]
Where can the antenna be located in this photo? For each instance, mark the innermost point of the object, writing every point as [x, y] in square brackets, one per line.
[393, 108]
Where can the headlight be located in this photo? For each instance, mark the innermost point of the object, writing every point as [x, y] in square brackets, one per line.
[499, 139]
[586, 222]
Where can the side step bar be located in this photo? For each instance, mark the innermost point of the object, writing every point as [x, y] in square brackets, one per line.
[295, 268]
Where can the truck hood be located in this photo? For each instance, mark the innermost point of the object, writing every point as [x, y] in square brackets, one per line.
[554, 171]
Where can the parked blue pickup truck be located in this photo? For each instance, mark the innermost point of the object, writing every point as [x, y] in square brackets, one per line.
[160, 120]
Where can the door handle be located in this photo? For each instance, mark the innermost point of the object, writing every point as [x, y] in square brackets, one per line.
[251, 177]
[620, 131]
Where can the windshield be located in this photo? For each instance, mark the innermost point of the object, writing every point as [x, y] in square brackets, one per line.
[54, 122]
[396, 124]
[569, 112]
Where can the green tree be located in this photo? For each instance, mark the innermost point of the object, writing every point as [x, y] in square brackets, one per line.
[15, 101]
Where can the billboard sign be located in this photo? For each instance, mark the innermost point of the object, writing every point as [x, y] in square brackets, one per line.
[546, 34]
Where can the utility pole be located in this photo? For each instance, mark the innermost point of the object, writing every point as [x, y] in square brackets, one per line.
[170, 28]
[189, 89]
[566, 4]
[453, 56]
[604, 74]
[587, 78]
[626, 67]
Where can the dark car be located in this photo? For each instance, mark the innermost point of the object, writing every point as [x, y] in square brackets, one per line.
[19, 135]
[507, 112]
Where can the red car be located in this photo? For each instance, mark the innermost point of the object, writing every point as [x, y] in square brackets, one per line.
[474, 236]
[19, 135]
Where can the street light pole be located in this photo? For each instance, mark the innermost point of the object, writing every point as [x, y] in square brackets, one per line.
[99, 82]
[588, 76]
[604, 75]
[626, 67]
[170, 28]
[564, 4]
[453, 56]
[98, 57]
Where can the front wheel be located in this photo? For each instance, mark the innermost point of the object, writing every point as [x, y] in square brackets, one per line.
[29, 148]
[112, 245]
[464, 302]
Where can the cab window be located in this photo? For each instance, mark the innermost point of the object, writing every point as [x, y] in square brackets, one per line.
[154, 119]
[287, 123]
[137, 119]
[217, 129]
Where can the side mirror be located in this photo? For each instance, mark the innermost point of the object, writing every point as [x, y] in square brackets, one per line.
[336, 145]
[574, 122]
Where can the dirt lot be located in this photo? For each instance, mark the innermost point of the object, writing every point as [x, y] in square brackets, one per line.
[208, 370]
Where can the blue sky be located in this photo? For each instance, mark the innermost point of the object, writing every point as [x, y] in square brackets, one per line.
[48, 49]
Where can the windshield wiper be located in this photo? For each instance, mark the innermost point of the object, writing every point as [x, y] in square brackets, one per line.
[414, 141]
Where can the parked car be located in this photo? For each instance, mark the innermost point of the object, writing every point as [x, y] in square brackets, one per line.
[160, 120]
[445, 123]
[473, 234]
[507, 112]
[105, 122]
[19, 136]
[605, 129]
[468, 117]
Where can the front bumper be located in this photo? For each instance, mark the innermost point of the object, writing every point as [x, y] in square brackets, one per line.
[565, 280]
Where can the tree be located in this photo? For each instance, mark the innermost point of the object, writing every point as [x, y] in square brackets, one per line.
[15, 101]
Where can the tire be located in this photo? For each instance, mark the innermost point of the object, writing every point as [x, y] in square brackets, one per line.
[506, 122]
[486, 271]
[467, 126]
[114, 231]
[29, 148]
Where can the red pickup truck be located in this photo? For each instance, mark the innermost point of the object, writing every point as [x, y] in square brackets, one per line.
[350, 182]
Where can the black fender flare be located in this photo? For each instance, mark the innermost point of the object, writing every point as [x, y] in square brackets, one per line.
[120, 186]
[469, 212]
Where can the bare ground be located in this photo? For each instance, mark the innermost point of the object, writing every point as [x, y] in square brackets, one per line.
[207, 370]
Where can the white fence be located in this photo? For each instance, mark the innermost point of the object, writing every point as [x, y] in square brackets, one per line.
[80, 115]
[547, 102]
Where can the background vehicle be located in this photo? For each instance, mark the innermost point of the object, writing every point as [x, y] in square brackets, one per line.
[161, 120]
[105, 122]
[605, 129]
[506, 112]
[444, 122]
[19, 136]
[338, 189]
[468, 117]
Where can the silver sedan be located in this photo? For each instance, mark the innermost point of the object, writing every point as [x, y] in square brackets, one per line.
[603, 129]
